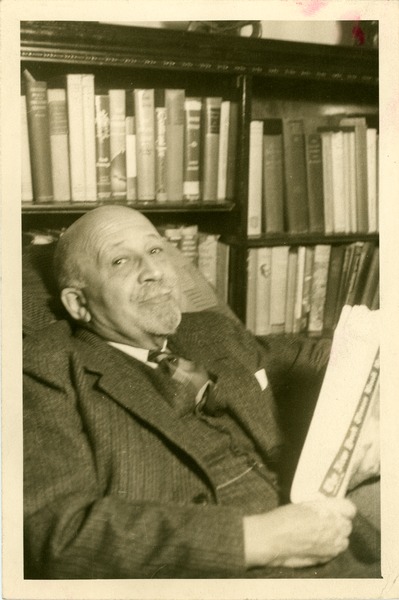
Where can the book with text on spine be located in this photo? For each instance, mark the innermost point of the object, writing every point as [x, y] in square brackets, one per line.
[145, 137]
[131, 161]
[117, 115]
[26, 172]
[341, 448]
[254, 225]
[89, 137]
[39, 141]
[103, 150]
[174, 103]
[211, 108]
[76, 137]
[161, 149]
[192, 149]
[295, 176]
[223, 150]
[273, 176]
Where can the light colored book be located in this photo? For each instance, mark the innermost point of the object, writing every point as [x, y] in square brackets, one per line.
[327, 182]
[58, 124]
[174, 102]
[131, 160]
[252, 265]
[342, 445]
[223, 150]
[254, 226]
[76, 137]
[338, 184]
[26, 172]
[89, 137]
[319, 287]
[278, 290]
[207, 256]
[372, 192]
[117, 115]
[145, 137]
[160, 145]
[263, 287]
[307, 286]
[299, 284]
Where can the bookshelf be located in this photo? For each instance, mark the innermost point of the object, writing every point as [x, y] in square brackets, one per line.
[266, 78]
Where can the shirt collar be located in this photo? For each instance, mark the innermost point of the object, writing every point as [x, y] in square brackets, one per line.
[140, 354]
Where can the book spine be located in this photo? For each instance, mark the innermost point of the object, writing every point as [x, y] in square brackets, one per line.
[174, 102]
[300, 276]
[210, 147]
[291, 290]
[252, 261]
[333, 279]
[131, 164]
[189, 243]
[338, 187]
[372, 178]
[222, 271]
[39, 140]
[278, 289]
[319, 286]
[254, 225]
[145, 132]
[26, 172]
[273, 183]
[263, 286]
[307, 287]
[76, 137]
[89, 137]
[192, 149]
[361, 169]
[351, 172]
[353, 272]
[223, 150]
[58, 125]
[207, 256]
[161, 194]
[327, 182]
[103, 150]
[295, 176]
[232, 152]
[117, 113]
[365, 261]
[372, 280]
[314, 165]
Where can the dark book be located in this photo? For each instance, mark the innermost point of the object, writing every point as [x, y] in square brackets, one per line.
[273, 176]
[160, 145]
[192, 149]
[39, 141]
[232, 152]
[354, 272]
[314, 171]
[344, 280]
[334, 275]
[296, 193]
[372, 280]
[366, 258]
[211, 107]
[103, 150]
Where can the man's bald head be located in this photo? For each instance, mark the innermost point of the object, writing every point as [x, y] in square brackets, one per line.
[78, 246]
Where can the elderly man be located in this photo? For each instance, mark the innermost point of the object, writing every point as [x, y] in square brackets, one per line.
[150, 438]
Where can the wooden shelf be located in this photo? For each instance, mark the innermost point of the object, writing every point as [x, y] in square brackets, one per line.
[297, 239]
[146, 207]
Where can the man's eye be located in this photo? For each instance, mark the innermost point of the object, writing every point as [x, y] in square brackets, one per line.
[156, 250]
[118, 261]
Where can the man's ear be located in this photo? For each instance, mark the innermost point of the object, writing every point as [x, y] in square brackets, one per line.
[75, 303]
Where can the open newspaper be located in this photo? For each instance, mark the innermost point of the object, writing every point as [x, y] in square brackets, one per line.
[342, 445]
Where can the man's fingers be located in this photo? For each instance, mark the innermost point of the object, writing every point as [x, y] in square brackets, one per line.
[347, 508]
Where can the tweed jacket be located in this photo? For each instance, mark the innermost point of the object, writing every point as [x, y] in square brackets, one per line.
[111, 478]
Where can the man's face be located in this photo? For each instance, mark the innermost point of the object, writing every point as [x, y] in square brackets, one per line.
[131, 290]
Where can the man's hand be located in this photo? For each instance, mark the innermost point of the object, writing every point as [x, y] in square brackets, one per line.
[298, 535]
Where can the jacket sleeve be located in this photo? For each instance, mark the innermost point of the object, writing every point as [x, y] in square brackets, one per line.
[74, 529]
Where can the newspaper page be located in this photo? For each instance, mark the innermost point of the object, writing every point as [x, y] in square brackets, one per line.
[342, 445]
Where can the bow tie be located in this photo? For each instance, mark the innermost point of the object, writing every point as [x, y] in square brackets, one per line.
[195, 378]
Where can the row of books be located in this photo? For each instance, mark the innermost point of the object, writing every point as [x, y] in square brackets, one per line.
[317, 175]
[304, 288]
[145, 145]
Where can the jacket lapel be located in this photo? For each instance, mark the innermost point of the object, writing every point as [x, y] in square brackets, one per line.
[129, 383]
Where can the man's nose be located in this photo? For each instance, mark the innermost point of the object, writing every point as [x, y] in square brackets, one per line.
[149, 270]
